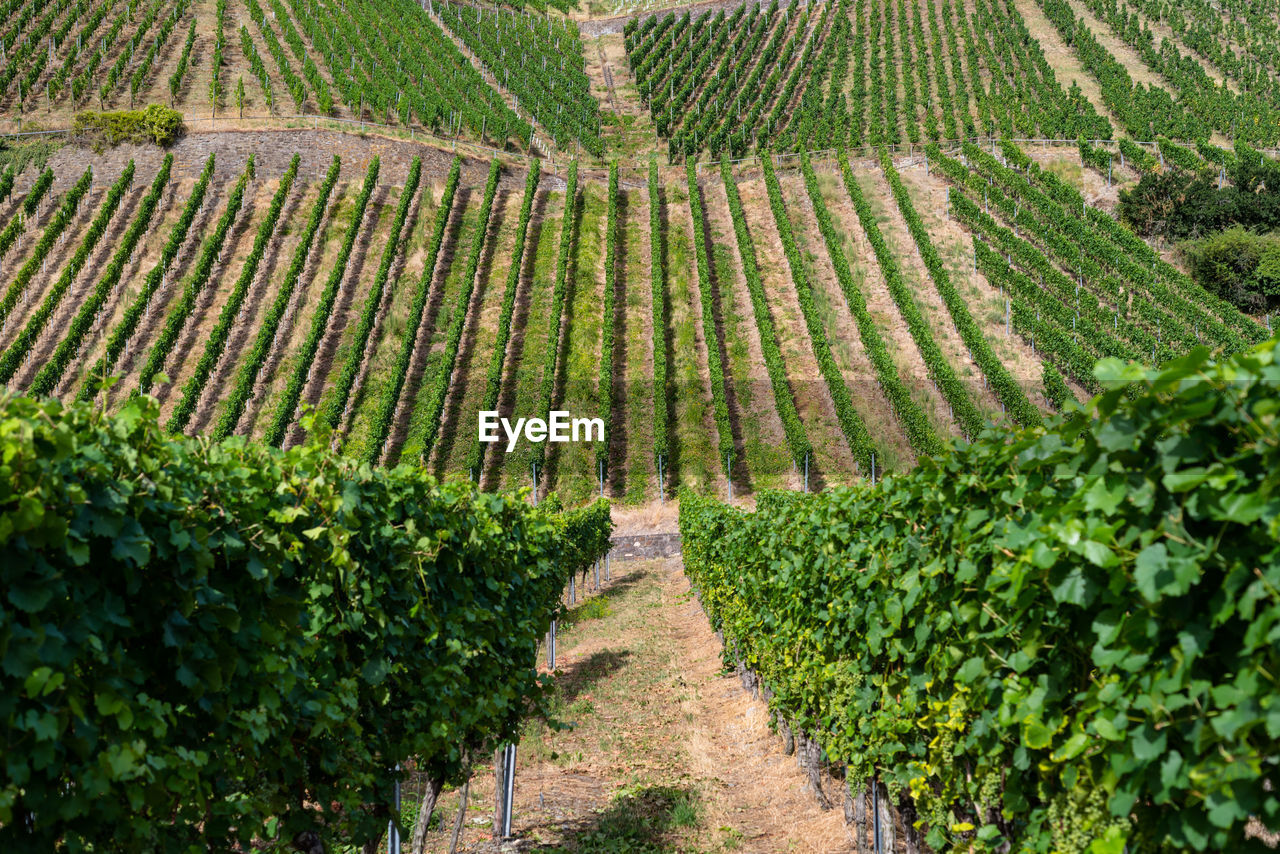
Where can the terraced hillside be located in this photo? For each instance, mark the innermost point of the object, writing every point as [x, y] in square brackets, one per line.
[866, 285]
[766, 253]
[801, 324]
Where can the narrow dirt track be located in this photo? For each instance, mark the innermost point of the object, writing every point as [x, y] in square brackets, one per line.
[666, 751]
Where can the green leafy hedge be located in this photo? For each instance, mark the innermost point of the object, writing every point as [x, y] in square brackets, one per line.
[1060, 639]
[154, 123]
[208, 642]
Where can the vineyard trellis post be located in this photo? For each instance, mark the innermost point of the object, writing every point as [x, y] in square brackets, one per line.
[551, 646]
[505, 773]
[875, 797]
[393, 829]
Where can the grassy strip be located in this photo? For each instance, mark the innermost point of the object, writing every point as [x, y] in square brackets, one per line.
[444, 375]
[320, 320]
[234, 405]
[387, 409]
[97, 378]
[217, 340]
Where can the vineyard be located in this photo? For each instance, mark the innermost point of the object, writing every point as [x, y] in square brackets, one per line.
[971, 467]
[401, 300]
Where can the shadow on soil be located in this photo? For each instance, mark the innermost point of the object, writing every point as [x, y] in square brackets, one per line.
[647, 820]
[582, 675]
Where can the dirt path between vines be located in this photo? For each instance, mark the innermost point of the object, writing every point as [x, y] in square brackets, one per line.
[665, 752]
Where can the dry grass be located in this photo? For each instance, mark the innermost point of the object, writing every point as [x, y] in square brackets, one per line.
[653, 517]
[665, 752]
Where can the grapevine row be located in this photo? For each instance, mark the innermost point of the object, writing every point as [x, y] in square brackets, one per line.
[381, 428]
[498, 358]
[98, 376]
[658, 292]
[607, 336]
[797, 441]
[970, 640]
[341, 394]
[57, 225]
[915, 424]
[46, 380]
[851, 423]
[444, 373]
[20, 348]
[18, 223]
[217, 338]
[195, 282]
[275, 434]
[568, 235]
[940, 370]
[234, 405]
[1002, 383]
[706, 290]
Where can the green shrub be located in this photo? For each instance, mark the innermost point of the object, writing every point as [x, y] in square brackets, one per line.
[1181, 204]
[1238, 265]
[154, 123]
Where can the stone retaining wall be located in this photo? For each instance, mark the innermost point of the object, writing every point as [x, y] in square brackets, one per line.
[273, 150]
[645, 546]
